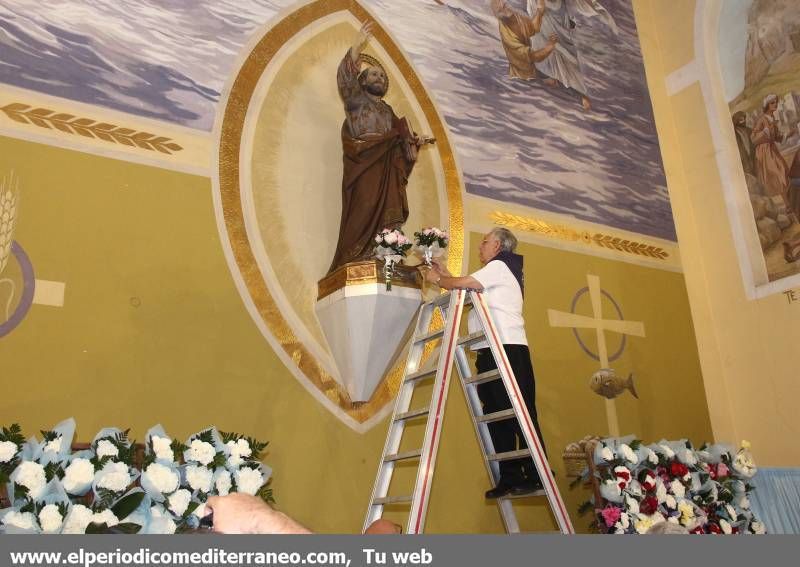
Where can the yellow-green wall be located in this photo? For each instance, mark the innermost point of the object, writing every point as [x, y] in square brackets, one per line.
[153, 330]
[748, 348]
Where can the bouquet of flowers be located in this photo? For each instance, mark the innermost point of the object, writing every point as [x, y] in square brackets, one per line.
[113, 486]
[391, 247]
[704, 490]
[430, 243]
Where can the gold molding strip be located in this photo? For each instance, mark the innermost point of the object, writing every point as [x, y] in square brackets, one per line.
[563, 232]
[89, 128]
[367, 272]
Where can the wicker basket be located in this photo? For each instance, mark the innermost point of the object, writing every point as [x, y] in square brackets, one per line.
[576, 456]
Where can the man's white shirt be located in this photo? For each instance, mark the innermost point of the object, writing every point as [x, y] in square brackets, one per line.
[504, 298]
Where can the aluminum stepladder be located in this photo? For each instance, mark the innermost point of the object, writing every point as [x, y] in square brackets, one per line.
[454, 349]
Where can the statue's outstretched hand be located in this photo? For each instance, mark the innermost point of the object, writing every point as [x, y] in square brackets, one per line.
[364, 35]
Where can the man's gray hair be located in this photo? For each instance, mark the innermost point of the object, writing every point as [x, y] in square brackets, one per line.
[508, 242]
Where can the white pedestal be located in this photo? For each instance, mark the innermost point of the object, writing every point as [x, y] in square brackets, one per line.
[364, 324]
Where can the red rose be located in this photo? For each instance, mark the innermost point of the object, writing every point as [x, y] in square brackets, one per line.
[678, 470]
[649, 482]
[697, 530]
[649, 505]
[714, 528]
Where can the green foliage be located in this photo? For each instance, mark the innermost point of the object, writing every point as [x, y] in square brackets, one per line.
[265, 493]
[126, 505]
[178, 449]
[49, 436]
[635, 444]
[52, 470]
[13, 434]
[105, 498]
[585, 508]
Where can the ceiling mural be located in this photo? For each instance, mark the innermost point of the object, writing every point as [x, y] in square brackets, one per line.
[573, 135]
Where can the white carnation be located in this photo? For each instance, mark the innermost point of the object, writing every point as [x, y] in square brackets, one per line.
[661, 491]
[162, 448]
[238, 450]
[687, 457]
[201, 452]
[78, 518]
[671, 502]
[669, 453]
[222, 482]
[758, 528]
[249, 480]
[607, 454]
[164, 479]
[726, 527]
[31, 476]
[652, 457]
[78, 475]
[161, 521]
[22, 520]
[179, 501]
[50, 519]
[115, 477]
[199, 478]
[7, 451]
[624, 520]
[53, 445]
[677, 488]
[106, 517]
[106, 448]
[628, 453]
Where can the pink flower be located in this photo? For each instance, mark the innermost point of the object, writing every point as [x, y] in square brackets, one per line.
[723, 470]
[611, 515]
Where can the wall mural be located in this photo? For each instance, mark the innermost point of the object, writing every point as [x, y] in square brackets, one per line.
[571, 134]
[759, 43]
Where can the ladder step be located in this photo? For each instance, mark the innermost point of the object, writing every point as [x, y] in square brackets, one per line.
[430, 373]
[528, 495]
[496, 416]
[433, 335]
[484, 377]
[412, 414]
[392, 500]
[471, 339]
[509, 455]
[403, 456]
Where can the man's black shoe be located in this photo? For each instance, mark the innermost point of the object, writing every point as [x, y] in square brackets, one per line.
[502, 489]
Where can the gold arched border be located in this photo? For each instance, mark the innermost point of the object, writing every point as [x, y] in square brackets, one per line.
[229, 182]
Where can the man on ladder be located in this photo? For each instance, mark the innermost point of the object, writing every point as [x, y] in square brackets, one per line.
[501, 280]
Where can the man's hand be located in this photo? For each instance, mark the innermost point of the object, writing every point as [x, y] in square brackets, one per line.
[431, 275]
[553, 39]
[441, 268]
[239, 513]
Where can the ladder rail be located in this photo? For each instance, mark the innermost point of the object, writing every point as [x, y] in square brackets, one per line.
[526, 424]
[396, 428]
[433, 429]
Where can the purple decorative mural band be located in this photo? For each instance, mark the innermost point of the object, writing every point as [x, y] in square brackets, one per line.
[621, 348]
[28, 286]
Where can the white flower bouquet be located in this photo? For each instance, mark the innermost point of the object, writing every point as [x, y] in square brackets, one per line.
[115, 486]
[391, 246]
[430, 243]
[703, 490]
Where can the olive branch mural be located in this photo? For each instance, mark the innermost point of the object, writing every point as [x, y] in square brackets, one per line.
[565, 233]
[89, 128]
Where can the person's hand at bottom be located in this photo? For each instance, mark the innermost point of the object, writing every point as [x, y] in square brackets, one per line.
[239, 513]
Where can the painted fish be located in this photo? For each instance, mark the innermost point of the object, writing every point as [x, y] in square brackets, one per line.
[606, 383]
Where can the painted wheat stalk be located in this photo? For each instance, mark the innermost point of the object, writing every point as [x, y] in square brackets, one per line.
[9, 198]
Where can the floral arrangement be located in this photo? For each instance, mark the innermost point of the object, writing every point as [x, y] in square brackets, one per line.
[391, 247]
[104, 488]
[430, 243]
[704, 490]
